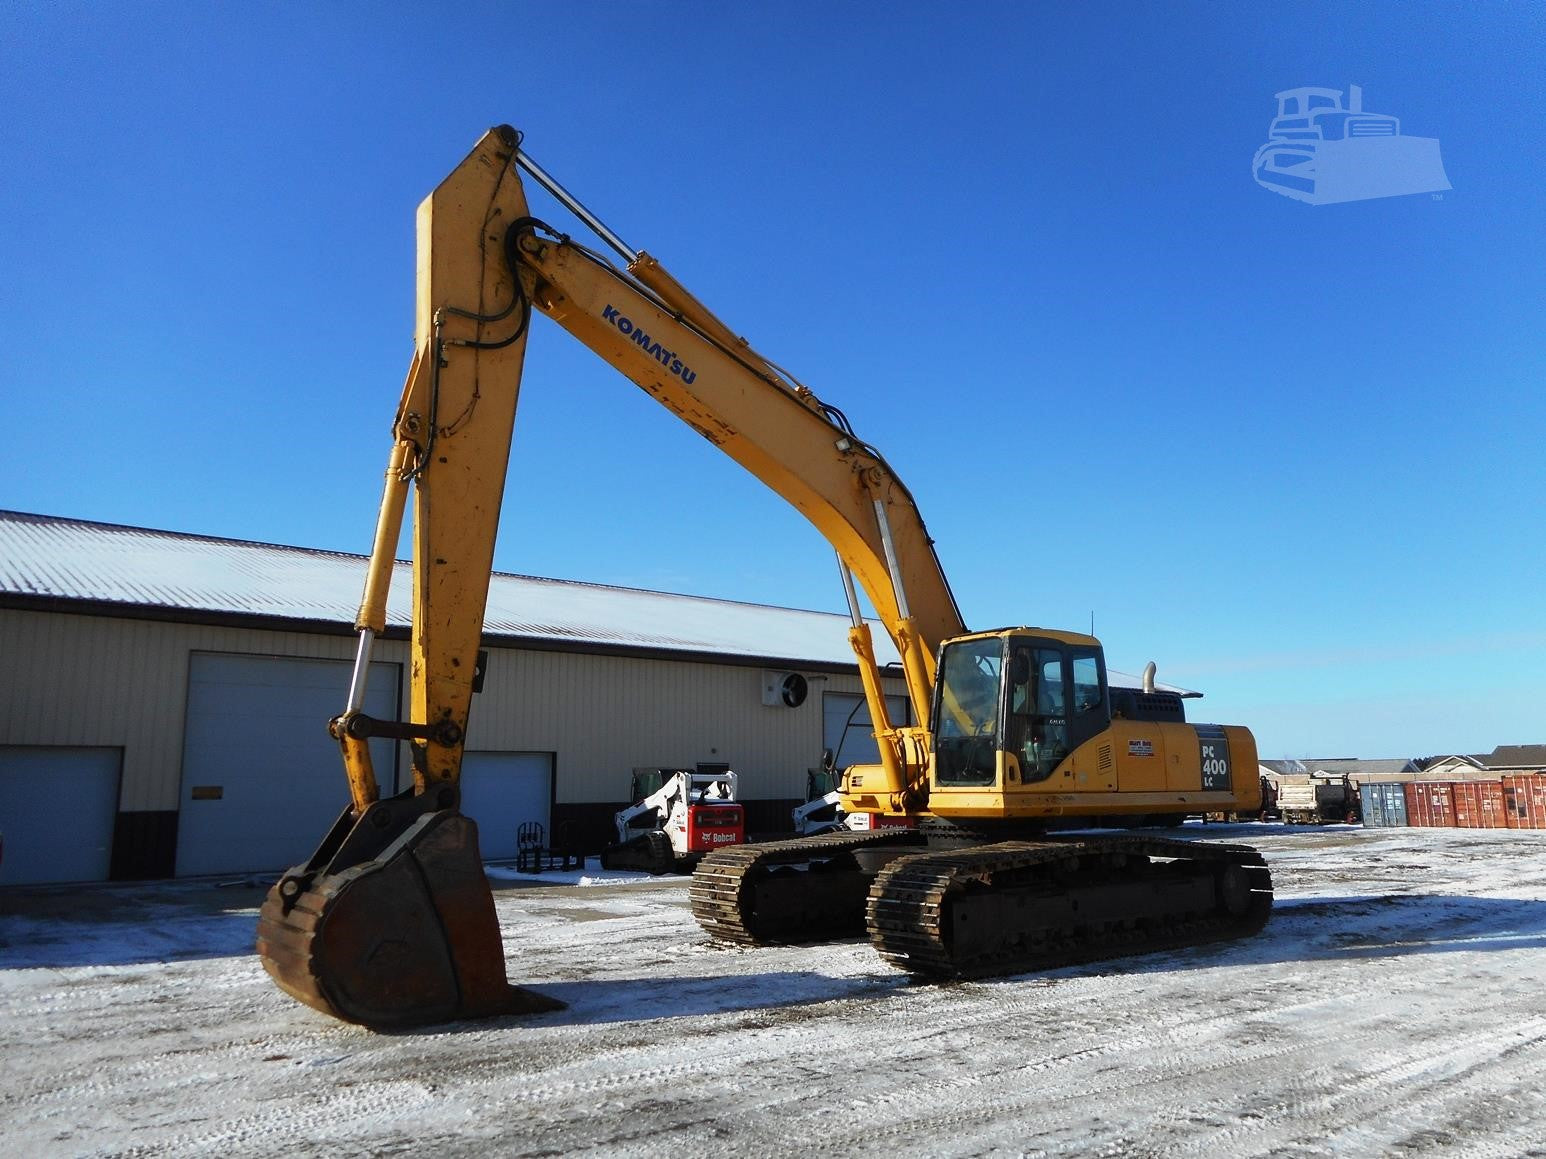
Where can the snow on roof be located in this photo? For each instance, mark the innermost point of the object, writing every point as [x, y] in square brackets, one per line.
[52, 558]
[71, 559]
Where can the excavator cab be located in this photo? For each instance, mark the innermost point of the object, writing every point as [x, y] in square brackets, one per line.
[1013, 704]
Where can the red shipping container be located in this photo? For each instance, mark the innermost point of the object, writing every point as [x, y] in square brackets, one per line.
[1468, 805]
[1442, 804]
[1430, 804]
[1491, 794]
[1535, 793]
[1516, 803]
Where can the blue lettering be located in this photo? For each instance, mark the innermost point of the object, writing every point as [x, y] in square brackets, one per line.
[648, 345]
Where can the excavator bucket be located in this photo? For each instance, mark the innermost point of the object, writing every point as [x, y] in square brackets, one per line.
[391, 924]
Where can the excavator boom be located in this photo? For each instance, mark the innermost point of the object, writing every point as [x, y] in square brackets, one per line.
[484, 265]
[392, 921]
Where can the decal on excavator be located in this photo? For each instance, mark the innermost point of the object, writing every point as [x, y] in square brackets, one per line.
[1215, 758]
[655, 350]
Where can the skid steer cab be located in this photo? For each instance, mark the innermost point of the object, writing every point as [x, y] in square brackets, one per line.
[676, 817]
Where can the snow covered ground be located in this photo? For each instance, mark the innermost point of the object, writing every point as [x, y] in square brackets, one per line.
[1393, 1006]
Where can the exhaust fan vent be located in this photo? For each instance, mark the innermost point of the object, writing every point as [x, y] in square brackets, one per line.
[784, 689]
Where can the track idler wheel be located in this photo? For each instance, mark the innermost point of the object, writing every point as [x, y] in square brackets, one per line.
[393, 930]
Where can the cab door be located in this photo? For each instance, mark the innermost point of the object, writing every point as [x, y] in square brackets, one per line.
[1089, 708]
[1057, 701]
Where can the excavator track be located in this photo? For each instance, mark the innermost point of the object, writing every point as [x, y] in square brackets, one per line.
[1037, 905]
[809, 889]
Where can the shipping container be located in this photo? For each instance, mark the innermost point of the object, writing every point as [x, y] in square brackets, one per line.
[1384, 805]
[1430, 804]
[1516, 804]
[1524, 801]
[1535, 789]
[1468, 804]
[1492, 807]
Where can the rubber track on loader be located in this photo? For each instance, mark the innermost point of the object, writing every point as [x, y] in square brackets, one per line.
[724, 887]
[649, 853]
[909, 908]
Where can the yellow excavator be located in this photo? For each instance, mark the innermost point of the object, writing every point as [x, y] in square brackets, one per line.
[968, 867]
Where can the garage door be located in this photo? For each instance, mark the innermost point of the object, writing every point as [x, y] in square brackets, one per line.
[846, 727]
[57, 808]
[262, 781]
[500, 791]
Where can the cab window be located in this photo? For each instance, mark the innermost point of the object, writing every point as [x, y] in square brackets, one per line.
[1038, 723]
[966, 713]
[1087, 693]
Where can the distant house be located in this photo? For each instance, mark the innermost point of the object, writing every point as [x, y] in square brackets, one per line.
[1516, 758]
[1503, 760]
[1457, 767]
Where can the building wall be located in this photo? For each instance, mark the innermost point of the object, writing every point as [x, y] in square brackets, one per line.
[605, 715]
[99, 680]
[80, 680]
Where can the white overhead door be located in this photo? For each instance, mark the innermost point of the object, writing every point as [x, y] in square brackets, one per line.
[57, 809]
[262, 781]
[846, 729]
[501, 791]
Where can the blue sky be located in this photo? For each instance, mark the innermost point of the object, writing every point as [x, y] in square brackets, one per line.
[1290, 452]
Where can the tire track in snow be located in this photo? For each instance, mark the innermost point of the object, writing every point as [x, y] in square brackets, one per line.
[1324, 1098]
[880, 1118]
[1170, 1055]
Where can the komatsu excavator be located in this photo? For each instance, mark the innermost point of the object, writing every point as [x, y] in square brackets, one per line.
[392, 921]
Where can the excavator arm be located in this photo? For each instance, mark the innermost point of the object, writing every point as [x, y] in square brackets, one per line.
[484, 266]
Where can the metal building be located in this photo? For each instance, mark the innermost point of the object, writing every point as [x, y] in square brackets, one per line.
[163, 700]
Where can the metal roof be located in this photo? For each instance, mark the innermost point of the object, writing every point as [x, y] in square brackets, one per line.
[53, 559]
[1515, 756]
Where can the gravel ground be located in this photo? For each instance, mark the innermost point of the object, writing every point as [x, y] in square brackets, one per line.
[1391, 1007]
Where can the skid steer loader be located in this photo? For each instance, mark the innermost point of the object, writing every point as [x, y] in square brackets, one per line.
[677, 816]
